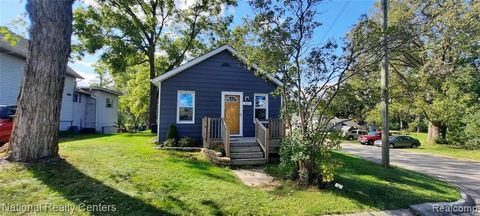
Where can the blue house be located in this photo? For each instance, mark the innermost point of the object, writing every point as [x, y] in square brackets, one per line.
[217, 85]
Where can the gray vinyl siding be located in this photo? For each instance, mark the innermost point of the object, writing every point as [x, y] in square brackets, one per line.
[11, 74]
[66, 111]
[107, 117]
[208, 79]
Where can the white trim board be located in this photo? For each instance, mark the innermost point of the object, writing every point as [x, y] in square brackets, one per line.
[206, 56]
[158, 109]
[193, 107]
[241, 109]
[267, 108]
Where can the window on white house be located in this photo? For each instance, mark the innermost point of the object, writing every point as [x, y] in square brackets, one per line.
[186, 107]
[77, 98]
[109, 102]
[260, 107]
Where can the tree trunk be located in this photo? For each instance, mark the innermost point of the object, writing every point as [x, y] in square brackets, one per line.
[418, 125]
[152, 109]
[35, 132]
[433, 133]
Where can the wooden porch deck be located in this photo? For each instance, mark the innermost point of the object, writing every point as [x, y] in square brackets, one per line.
[244, 150]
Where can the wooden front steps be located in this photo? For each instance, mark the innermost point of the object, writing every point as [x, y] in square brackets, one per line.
[245, 151]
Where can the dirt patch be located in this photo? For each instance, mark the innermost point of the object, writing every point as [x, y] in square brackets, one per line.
[257, 178]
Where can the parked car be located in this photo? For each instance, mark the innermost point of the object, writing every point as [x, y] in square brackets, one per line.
[353, 134]
[400, 141]
[370, 137]
[6, 122]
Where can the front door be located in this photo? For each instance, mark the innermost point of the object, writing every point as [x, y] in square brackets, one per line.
[232, 112]
[90, 113]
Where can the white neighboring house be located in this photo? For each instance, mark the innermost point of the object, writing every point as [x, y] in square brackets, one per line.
[343, 124]
[85, 114]
[100, 106]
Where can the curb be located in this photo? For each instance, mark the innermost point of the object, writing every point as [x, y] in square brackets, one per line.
[465, 206]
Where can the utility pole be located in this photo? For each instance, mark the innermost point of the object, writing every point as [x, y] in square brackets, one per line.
[384, 89]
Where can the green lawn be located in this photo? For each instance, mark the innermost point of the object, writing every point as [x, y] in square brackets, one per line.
[445, 150]
[126, 172]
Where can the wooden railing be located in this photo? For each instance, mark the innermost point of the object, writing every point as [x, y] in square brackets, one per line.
[225, 138]
[205, 132]
[262, 136]
[276, 129]
[215, 130]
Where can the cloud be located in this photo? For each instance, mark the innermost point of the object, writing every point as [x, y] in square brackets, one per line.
[227, 10]
[84, 63]
[89, 78]
[184, 4]
[93, 3]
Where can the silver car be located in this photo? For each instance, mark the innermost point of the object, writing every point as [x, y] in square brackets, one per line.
[400, 141]
[353, 134]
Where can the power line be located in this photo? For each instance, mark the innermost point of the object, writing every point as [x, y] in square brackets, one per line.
[335, 20]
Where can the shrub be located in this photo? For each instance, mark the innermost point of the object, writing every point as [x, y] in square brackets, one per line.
[418, 125]
[465, 133]
[170, 143]
[187, 142]
[472, 131]
[308, 158]
[172, 132]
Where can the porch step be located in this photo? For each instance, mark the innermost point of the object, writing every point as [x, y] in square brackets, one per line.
[245, 149]
[250, 161]
[247, 155]
[246, 144]
[240, 140]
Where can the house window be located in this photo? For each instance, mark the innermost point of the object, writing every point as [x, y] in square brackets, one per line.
[186, 107]
[260, 107]
[109, 102]
[77, 98]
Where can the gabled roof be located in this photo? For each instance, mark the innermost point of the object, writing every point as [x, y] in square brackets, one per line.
[79, 90]
[21, 50]
[206, 56]
[89, 89]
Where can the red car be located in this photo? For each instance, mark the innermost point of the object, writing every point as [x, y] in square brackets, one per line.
[6, 122]
[370, 138]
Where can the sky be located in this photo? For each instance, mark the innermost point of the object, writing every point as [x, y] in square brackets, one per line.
[337, 18]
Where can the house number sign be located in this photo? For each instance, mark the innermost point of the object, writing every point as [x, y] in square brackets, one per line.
[246, 101]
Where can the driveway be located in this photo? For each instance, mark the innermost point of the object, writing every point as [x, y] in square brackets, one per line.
[465, 174]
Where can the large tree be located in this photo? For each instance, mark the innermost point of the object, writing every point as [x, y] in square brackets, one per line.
[282, 42]
[35, 132]
[132, 32]
[434, 54]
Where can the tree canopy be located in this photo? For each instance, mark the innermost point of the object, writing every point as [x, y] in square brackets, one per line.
[435, 62]
[157, 32]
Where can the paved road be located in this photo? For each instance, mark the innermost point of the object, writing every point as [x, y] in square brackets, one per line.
[465, 174]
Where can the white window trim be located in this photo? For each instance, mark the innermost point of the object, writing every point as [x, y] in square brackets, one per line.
[266, 111]
[241, 109]
[178, 107]
[158, 110]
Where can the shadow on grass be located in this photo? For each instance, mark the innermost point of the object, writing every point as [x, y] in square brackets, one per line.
[66, 137]
[197, 165]
[76, 137]
[371, 185]
[217, 210]
[83, 190]
[140, 134]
